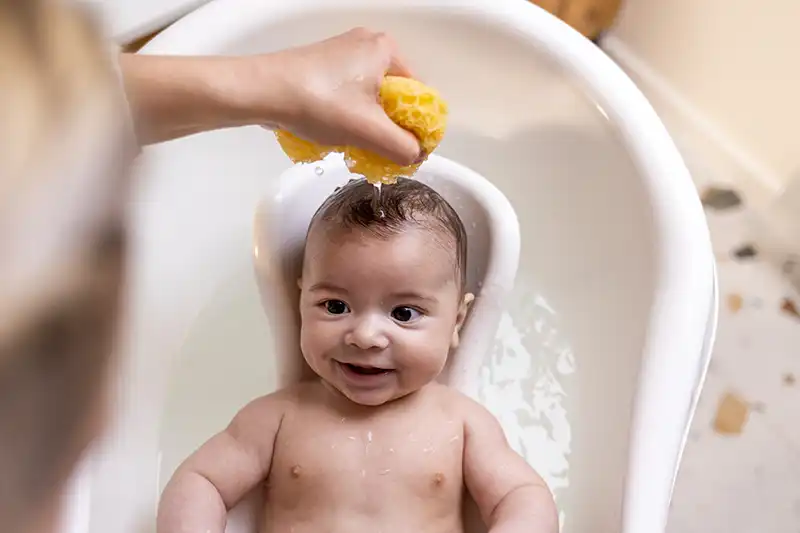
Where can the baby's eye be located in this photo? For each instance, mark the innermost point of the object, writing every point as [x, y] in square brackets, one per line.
[336, 307]
[405, 314]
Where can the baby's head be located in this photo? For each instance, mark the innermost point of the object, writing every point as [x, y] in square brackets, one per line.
[383, 293]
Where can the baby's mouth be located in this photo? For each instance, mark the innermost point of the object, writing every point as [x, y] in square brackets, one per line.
[365, 370]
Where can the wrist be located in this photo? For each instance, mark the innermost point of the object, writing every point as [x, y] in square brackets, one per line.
[173, 96]
[259, 92]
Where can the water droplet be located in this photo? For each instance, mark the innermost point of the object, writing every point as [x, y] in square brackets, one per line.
[455, 438]
[428, 450]
[474, 224]
[368, 443]
[351, 438]
[363, 473]
[319, 171]
[376, 198]
[391, 450]
[342, 421]
[333, 446]
[384, 472]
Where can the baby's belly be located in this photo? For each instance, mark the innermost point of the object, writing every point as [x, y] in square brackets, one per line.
[368, 501]
[396, 517]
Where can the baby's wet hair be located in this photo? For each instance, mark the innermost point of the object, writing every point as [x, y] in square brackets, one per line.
[408, 202]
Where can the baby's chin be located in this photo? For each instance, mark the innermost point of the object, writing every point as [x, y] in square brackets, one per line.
[369, 398]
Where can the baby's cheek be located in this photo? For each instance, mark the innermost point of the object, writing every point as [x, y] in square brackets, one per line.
[427, 355]
[309, 338]
[319, 336]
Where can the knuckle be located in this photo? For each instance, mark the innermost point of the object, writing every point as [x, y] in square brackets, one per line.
[383, 39]
[361, 31]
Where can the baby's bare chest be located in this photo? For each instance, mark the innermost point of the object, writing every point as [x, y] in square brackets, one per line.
[366, 463]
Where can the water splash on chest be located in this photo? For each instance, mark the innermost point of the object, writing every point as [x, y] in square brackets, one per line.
[368, 443]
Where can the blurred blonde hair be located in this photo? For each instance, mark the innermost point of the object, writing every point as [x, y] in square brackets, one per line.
[63, 148]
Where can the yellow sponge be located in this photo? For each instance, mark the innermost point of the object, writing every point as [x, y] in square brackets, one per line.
[302, 151]
[411, 105]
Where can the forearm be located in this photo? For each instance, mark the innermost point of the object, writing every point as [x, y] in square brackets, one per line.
[527, 509]
[191, 504]
[174, 96]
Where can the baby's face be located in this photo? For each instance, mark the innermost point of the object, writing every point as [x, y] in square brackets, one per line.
[379, 316]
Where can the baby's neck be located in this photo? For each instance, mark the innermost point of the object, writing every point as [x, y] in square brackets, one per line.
[345, 405]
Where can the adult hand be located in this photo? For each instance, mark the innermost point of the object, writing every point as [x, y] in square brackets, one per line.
[326, 92]
[333, 87]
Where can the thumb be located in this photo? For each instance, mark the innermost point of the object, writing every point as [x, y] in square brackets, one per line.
[376, 132]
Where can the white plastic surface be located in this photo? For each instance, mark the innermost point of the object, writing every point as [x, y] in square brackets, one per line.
[601, 345]
[127, 20]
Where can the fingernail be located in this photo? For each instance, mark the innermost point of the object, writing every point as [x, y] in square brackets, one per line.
[421, 157]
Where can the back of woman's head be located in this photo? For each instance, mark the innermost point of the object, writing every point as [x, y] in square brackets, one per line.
[62, 242]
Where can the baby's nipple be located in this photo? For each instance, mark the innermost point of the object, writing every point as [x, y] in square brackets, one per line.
[438, 479]
[295, 471]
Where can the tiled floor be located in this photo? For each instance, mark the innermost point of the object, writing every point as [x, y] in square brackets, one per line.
[742, 474]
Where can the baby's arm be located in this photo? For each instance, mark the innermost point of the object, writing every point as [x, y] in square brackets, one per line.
[511, 496]
[222, 471]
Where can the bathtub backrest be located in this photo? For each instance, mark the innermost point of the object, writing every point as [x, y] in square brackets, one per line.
[493, 238]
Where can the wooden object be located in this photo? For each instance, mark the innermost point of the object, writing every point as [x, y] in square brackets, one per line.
[589, 17]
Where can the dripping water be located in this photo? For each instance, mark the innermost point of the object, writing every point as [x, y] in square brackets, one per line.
[376, 199]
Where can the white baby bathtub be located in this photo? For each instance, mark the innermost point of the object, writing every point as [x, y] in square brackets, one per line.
[602, 349]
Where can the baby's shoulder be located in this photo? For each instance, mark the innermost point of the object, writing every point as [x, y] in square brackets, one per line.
[272, 405]
[456, 404]
[310, 396]
[270, 410]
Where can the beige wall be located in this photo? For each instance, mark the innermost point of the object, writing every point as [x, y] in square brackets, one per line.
[736, 61]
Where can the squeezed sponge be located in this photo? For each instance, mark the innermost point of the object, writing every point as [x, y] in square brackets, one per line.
[411, 105]
[302, 151]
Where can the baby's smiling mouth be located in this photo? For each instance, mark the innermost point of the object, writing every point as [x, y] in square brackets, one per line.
[363, 370]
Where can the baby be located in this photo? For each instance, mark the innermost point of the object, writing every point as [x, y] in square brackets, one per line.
[373, 444]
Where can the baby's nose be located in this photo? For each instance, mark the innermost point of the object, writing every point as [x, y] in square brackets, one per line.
[367, 334]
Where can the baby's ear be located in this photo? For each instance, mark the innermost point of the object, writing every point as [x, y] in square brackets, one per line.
[463, 310]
